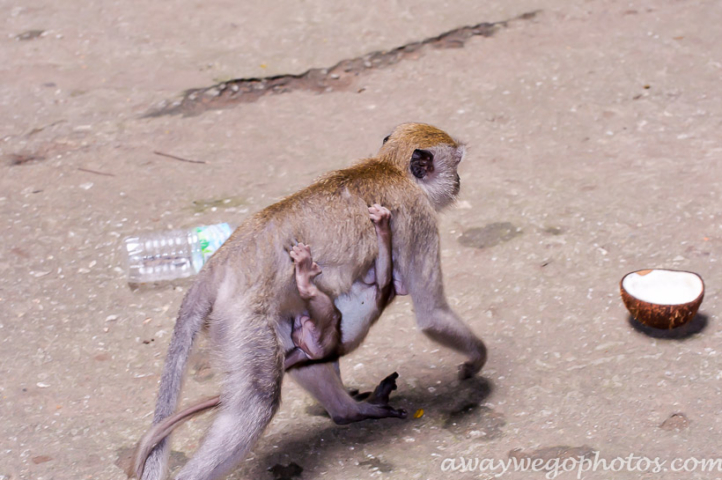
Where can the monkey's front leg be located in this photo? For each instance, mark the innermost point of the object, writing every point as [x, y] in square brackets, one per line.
[323, 381]
[446, 328]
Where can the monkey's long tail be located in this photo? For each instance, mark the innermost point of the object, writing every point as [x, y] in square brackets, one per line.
[194, 309]
[161, 430]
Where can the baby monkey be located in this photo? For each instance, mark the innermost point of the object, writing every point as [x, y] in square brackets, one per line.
[317, 333]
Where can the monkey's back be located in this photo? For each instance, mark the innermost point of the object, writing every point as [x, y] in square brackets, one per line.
[331, 216]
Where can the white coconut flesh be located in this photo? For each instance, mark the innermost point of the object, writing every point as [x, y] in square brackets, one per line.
[663, 287]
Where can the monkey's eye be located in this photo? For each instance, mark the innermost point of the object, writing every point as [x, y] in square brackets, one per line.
[386, 139]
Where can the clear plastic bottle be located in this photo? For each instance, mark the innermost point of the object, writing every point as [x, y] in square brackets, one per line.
[161, 256]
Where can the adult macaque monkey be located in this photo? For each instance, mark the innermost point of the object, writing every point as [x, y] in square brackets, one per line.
[248, 297]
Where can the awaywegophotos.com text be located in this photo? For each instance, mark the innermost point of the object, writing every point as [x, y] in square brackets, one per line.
[580, 464]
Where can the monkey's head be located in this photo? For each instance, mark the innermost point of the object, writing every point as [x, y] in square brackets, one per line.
[429, 156]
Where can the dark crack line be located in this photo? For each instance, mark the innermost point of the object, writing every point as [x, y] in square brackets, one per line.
[340, 77]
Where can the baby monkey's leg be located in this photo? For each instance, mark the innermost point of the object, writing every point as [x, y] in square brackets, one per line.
[316, 334]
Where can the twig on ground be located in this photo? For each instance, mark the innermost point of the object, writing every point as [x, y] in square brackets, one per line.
[181, 159]
[96, 172]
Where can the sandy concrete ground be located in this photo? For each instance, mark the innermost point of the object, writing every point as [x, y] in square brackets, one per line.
[594, 150]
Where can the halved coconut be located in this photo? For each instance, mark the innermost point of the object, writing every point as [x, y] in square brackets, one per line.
[662, 298]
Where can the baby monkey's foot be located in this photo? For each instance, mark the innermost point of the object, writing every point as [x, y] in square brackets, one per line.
[380, 216]
[306, 269]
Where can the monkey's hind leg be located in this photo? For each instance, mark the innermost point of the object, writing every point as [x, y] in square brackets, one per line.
[306, 271]
[318, 334]
[323, 382]
[320, 306]
[250, 396]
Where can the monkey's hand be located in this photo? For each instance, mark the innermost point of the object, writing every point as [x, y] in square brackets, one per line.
[380, 216]
[472, 367]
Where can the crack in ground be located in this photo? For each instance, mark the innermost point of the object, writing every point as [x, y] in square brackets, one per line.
[340, 77]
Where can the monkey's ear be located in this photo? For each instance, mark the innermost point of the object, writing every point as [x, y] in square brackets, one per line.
[422, 163]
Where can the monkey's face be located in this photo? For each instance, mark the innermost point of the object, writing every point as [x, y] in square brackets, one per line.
[430, 156]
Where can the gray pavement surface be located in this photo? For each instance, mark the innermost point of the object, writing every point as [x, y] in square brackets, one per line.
[593, 132]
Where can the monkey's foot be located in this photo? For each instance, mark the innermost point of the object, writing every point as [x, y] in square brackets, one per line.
[380, 395]
[306, 269]
[374, 404]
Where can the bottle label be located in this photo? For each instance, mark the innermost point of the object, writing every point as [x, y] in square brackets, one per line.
[210, 239]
